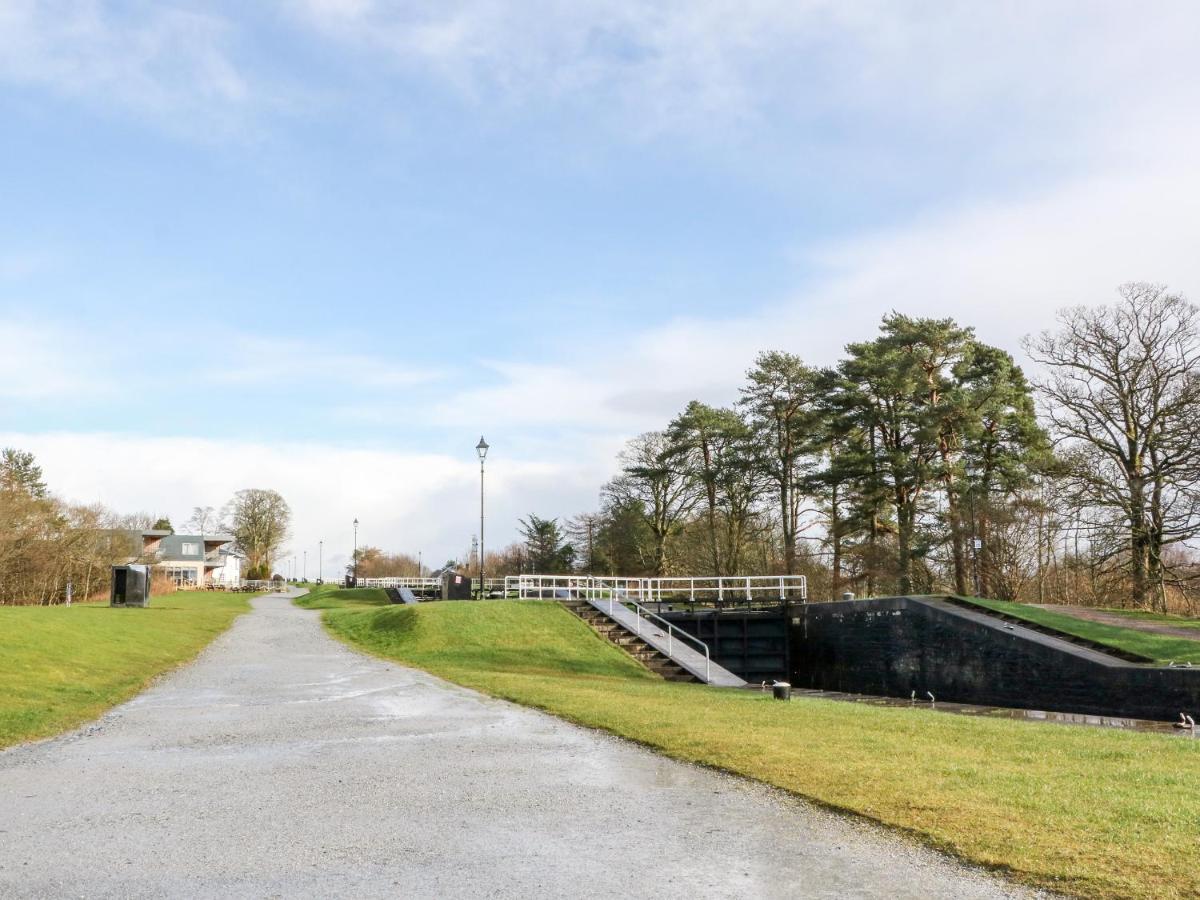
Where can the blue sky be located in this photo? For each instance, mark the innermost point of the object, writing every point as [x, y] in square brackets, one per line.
[322, 245]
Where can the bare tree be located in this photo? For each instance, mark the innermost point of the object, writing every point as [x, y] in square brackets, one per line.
[259, 520]
[1122, 396]
[204, 520]
[650, 482]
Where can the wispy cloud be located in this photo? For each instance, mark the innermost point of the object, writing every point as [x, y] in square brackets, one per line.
[46, 361]
[1004, 267]
[250, 360]
[661, 65]
[153, 59]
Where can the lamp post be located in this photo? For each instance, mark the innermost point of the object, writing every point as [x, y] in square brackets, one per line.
[304, 569]
[356, 551]
[320, 560]
[481, 448]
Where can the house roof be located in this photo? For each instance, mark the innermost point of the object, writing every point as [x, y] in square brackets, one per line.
[172, 545]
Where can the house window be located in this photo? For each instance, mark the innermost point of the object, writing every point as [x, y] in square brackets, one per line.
[190, 549]
[182, 576]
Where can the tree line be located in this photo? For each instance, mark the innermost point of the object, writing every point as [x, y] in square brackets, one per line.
[47, 543]
[925, 460]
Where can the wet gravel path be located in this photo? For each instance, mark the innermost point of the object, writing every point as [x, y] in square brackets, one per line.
[282, 764]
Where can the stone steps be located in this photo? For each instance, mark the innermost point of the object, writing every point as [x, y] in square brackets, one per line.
[654, 660]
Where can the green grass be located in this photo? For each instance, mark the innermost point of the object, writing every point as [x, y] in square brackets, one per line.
[331, 596]
[1081, 810]
[1160, 648]
[61, 666]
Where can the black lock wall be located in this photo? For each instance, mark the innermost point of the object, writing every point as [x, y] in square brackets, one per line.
[893, 646]
[752, 645]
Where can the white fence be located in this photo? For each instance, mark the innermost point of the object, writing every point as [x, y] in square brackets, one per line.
[418, 583]
[735, 590]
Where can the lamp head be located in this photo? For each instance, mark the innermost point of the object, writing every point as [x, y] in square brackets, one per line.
[481, 448]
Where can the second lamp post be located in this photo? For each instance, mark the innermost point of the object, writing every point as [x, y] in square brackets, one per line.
[481, 448]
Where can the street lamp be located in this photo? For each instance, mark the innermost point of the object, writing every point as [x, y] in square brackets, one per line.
[320, 560]
[304, 570]
[356, 551]
[481, 448]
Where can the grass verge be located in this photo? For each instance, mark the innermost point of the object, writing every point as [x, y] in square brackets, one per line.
[331, 596]
[1158, 647]
[1081, 810]
[61, 666]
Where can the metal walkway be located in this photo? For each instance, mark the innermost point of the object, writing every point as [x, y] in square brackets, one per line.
[615, 601]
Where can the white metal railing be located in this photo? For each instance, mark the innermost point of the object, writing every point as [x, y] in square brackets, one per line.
[729, 588]
[618, 595]
[615, 592]
[749, 589]
[400, 582]
[490, 584]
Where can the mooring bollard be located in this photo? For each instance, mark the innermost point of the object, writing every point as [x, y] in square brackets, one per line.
[781, 690]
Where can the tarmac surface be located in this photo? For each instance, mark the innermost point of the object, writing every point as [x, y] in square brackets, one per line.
[283, 764]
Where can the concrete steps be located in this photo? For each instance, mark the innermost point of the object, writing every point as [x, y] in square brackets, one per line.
[654, 660]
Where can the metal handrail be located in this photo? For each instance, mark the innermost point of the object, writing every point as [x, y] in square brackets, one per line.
[638, 612]
[597, 589]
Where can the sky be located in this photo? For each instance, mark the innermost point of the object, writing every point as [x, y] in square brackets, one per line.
[322, 246]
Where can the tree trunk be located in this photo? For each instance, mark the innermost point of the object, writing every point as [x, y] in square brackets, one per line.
[904, 528]
[789, 532]
[956, 539]
[835, 533]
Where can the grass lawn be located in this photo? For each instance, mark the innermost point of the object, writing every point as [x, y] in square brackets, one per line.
[1158, 647]
[331, 596]
[1081, 810]
[63, 665]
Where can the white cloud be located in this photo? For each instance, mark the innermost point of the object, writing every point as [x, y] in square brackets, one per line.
[155, 59]
[43, 361]
[249, 360]
[1004, 267]
[404, 501]
[656, 65]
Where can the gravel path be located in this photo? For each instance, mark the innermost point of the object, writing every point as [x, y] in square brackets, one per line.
[282, 764]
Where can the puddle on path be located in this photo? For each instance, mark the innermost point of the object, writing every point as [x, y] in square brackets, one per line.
[1002, 712]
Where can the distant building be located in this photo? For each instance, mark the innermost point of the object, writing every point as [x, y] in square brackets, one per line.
[193, 560]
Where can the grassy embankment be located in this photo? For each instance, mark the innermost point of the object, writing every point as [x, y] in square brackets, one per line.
[61, 666]
[1160, 648]
[330, 596]
[1083, 810]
